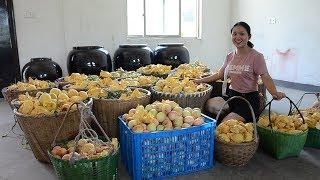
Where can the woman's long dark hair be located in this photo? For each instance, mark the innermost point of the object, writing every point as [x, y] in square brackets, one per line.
[247, 28]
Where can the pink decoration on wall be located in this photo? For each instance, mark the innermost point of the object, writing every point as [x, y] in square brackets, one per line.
[285, 55]
[285, 64]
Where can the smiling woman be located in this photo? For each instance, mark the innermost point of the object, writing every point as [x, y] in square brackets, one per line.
[241, 34]
[243, 66]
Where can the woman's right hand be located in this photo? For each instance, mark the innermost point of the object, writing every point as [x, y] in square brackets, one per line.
[208, 79]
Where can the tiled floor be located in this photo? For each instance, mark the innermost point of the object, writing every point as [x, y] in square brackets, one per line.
[18, 163]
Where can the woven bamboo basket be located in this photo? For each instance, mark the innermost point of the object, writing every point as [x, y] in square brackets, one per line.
[195, 100]
[108, 110]
[39, 130]
[13, 94]
[237, 154]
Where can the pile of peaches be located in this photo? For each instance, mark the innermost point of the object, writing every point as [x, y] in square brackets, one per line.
[162, 116]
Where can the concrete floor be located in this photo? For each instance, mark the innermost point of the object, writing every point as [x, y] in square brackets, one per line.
[19, 163]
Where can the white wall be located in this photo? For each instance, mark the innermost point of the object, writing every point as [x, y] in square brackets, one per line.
[58, 25]
[290, 44]
[42, 35]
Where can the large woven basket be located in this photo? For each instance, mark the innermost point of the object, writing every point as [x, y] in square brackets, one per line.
[236, 154]
[39, 131]
[195, 100]
[13, 94]
[108, 110]
[280, 144]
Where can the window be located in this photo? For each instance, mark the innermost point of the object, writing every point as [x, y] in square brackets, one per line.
[179, 18]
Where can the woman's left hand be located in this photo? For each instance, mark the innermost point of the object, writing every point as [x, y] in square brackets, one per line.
[278, 95]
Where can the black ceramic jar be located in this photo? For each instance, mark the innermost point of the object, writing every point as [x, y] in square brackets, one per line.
[89, 60]
[172, 54]
[42, 69]
[132, 56]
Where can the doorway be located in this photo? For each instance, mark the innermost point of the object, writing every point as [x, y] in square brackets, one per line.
[9, 59]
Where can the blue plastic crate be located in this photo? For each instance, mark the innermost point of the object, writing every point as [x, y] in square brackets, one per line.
[163, 154]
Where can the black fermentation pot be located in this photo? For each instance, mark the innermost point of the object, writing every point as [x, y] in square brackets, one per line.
[42, 69]
[89, 60]
[172, 54]
[132, 56]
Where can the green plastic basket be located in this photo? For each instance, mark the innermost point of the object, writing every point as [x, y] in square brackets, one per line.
[280, 144]
[313, 139]
[102, 168]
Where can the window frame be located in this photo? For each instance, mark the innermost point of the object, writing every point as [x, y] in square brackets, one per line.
[198, 23]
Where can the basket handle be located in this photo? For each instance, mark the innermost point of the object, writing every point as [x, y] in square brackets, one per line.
[252, 113]
[65, 116]
[317, 94]
[290, 110]
[269, 103]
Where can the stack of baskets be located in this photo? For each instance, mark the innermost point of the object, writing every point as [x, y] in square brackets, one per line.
[280, 144]
[236, 154]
